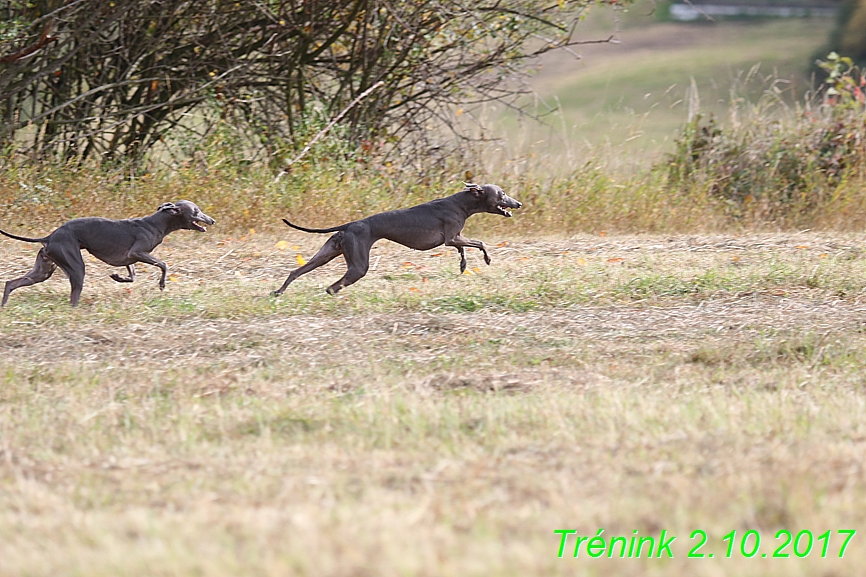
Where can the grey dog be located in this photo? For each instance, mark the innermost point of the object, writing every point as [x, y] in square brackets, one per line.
[116, 242]
[420, 227]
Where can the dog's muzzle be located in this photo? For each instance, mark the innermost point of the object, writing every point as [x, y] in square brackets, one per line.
[509, 204]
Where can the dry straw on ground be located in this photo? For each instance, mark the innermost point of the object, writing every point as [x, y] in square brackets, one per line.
[430, 423]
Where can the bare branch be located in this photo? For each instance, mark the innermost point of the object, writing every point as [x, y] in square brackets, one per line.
[111, 79]
[330, 125]
[44, 40]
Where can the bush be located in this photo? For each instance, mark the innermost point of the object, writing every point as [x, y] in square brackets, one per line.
[781, 161]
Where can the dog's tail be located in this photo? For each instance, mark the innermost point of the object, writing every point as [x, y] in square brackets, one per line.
[332, 229]
[24, 238]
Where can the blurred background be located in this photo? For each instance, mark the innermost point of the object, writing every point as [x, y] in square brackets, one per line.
[648, 67]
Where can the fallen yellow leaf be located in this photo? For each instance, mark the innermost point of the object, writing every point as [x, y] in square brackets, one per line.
[300, 260]
[282, 245]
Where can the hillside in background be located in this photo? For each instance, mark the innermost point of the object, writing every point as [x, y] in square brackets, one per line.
[634, 93]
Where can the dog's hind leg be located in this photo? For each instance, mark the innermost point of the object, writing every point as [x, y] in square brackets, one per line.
[356, 249]
[329, 251]
[42, 271]
[68, 257]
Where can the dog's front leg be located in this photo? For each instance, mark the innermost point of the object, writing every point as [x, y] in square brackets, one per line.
[462, 252]
[130, 278]
[148, 258]
[459, 241]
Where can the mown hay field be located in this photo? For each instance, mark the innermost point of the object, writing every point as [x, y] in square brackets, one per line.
[704, 378]
[429, 423]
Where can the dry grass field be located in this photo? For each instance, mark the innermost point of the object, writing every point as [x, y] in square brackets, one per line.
[430, 423]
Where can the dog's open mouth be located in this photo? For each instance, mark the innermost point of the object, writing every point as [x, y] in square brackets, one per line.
[503, 210]
[199, 227]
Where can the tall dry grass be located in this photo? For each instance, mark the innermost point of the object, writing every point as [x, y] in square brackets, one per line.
[773, 165]
[585, 199]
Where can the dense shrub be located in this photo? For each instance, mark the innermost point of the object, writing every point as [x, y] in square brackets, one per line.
[119, 81]
[780, 160]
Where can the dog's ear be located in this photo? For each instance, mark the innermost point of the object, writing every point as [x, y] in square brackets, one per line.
[170, 207]
[473, 188]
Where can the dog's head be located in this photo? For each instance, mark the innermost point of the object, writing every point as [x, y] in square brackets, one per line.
[493, 199]
[190, 215]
